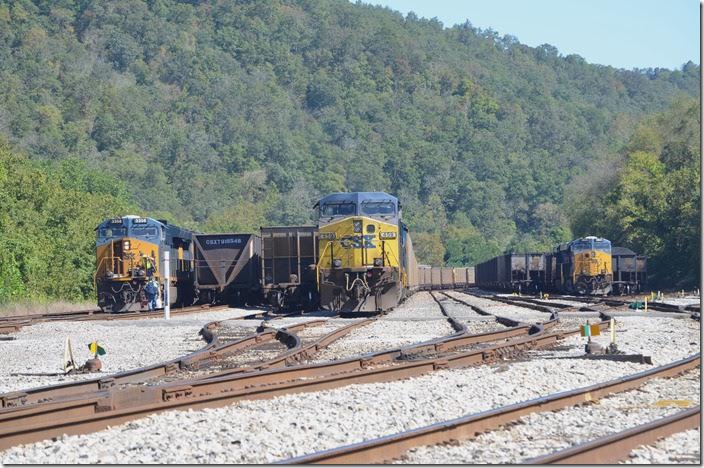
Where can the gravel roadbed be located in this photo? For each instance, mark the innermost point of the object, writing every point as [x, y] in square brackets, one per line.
[402, 326]
[522, 314]
[540, 434]
[129, 344]
[262, 431]
[683, 447]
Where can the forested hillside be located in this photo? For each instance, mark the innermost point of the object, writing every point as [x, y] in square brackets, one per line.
[652, 202]
[230, 115]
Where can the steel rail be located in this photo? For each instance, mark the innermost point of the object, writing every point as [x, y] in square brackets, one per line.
[15, 323]
[509, 322]
[459, 327]
[212, 350]
[613, 448]
[110, 407]
[469, 426]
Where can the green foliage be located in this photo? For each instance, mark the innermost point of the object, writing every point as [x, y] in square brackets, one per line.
[652, 204]
[47, 243]
[230, 115]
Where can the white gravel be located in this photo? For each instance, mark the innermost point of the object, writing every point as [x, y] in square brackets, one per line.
[417, 319]
[539, 434]
[521, 314]
[683, 301]
[681, 448]
[129, 344]
[291, 425]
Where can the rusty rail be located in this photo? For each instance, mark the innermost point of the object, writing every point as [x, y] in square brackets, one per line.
[15, 323]
[467, 427]
[616, 447]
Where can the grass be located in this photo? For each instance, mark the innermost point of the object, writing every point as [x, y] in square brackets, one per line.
[28, 307]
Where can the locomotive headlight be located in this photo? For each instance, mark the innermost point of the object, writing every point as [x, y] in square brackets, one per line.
[337, 263]
[378, 262]
[357, 225]
[126, 245]
[371, 228]
[387, 235]
[327, 235]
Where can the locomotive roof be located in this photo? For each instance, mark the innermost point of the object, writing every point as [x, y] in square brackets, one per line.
[133, 220]
[357, 197]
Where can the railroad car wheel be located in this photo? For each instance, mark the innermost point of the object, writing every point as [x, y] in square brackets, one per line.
[582, 287]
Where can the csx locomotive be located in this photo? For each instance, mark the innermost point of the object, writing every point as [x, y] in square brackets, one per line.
[129, 251]
[365, 254]
[582, 266]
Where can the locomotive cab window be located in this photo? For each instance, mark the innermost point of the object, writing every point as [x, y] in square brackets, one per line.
[144, 232]
[379, 208]
[111, 233]
[603, 245]
[338, 209]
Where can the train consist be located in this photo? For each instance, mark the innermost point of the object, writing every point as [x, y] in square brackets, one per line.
[358, 258]
[585, 266]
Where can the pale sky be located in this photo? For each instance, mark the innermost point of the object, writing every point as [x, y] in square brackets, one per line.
[622, 33]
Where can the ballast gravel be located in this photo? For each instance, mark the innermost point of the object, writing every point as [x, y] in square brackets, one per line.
[291, 425]
[418, 319]
[521, 314]
[540, 434]
[681, 448]
[129, 344]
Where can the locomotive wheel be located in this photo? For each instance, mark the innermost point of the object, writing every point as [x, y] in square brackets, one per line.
[582, 287]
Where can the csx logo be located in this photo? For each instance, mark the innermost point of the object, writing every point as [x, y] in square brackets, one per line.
[358, 242]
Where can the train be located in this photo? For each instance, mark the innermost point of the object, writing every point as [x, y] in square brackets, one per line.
[358, 258]
[584, 266]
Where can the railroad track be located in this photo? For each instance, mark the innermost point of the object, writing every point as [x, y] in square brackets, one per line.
[616, 447]
[13, 324]
[109, 405]
[605, 450]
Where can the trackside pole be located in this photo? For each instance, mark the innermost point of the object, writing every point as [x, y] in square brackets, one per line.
[167, 302]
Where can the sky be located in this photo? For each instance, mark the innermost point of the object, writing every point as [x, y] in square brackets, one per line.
[621, 33]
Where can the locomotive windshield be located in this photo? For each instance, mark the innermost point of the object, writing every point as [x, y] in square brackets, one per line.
[111, 233]
[379, 208]
[144, 232]
[338, 209]
[603, 245]
[591, 244]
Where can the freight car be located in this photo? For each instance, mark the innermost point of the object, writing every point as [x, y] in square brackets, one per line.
[513, 272]
[227, 268]
[130, 250]
[288, 264]
[629, 269]
[365, 252]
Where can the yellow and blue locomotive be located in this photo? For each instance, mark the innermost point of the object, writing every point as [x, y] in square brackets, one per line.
[582, 266]
[130, 251]
[364, 252]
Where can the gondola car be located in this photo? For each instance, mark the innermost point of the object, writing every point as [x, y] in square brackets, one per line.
[365, 253]
[126, 246]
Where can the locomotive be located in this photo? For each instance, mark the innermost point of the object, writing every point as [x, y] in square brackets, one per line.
[365, 252]
[582, 267]
[130, 251]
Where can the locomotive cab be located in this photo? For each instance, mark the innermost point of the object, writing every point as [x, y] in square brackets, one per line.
[361, 259]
